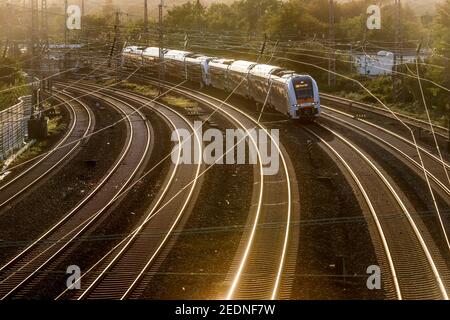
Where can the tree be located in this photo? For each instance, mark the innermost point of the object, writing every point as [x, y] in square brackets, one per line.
[189, 15]
[220, 17]
[291, 20]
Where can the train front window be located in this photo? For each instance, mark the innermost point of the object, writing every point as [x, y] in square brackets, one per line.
[303, 89]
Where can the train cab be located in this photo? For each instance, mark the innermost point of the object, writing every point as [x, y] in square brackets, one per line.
[304, 96]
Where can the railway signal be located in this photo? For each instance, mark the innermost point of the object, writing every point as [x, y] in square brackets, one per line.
[161, 68]
[309, 147]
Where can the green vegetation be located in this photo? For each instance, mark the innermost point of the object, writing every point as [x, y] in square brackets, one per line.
[292, 19]
[235, 29]
[302, 28]
[179, 101]
[145, 90]
[32, 152]
[152, 92]
[12, 83]
[56, 125]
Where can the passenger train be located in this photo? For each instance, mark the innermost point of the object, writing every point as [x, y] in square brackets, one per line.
[285, 91]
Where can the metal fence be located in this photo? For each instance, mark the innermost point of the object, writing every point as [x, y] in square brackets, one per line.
[14, 126]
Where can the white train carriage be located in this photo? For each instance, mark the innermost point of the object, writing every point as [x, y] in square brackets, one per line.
[132, 56]
[237, 75]
[150, 57]
[197, 67]
[287, 92]
[174, 63]
[260, 81]
[217, 76]
[185, 65]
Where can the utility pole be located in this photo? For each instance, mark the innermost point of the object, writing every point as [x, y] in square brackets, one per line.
[332, 58]
[83, 12]
[44, 22]
[65, 22]
[45, 42]
[34, 27]
[161, 75]
[448, 105]
[118, 48]
[35, 65]
[351, 58]
[398, 55]
[197, 14]
[7, 27]
[146, 17]
[115, 46]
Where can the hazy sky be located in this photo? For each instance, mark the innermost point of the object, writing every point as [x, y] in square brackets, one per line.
[422, 6]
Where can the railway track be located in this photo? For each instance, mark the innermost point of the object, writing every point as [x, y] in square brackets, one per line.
[437, 170]
[271, 194]
[412, 266]
[81, 125]
[363, 107]
[123, 271]
[115, 260]
[29, 267]
[412, 260]
[265, 263]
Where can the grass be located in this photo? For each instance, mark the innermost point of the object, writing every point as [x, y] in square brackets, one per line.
[32, 152]
[151, 92]
[180, 102]
[55, 124]
[10, 97]
[147, 91]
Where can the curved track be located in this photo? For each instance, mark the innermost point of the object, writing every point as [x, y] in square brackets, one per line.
[410, 121]
[428, 166]
[24, 269]
[81, 125]
[415, 267]
[265, 263]
[122, 271]
[438, 171]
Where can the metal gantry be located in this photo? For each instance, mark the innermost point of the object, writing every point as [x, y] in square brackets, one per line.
[332, 59]
[398, 55]
[161, 75]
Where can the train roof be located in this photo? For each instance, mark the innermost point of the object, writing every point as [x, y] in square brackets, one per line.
[242, 65]
[201, 57]
[133, 49]
[177, 54]
[152, 51]
[264, 70]
[222, 61]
